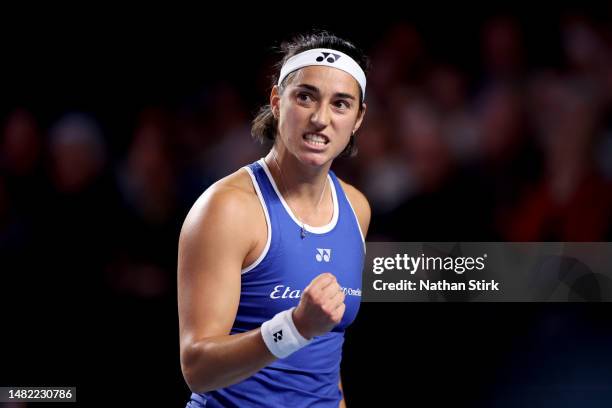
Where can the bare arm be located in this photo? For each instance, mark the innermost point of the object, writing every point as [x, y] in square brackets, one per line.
[212, 248]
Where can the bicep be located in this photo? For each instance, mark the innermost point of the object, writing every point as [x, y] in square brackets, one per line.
[211, 252]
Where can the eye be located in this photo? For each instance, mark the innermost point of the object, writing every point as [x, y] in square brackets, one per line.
[342, 104]
[304, 97]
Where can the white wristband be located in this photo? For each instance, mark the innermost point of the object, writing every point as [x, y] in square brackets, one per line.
[281, 336]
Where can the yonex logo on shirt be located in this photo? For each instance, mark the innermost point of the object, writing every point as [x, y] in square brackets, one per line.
[324, 255]
[329, 57]
[278, 336]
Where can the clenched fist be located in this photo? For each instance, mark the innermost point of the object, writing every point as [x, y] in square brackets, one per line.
[321, 306]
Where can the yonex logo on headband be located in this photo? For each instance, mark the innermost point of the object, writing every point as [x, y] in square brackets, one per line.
[333, 58]
[325, 57]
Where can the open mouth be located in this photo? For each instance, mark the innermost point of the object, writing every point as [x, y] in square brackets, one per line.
[316, 139]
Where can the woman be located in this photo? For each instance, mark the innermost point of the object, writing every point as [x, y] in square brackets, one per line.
[270, 257]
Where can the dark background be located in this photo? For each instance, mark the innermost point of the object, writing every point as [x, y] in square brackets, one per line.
[484, 123]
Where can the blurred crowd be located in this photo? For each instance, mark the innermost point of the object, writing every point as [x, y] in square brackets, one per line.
[508, 148]
[514, 151]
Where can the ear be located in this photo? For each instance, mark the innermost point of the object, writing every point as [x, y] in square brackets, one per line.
[360, 118]
[275, 101]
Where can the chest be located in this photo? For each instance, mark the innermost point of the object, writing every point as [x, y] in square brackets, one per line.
[292, 263]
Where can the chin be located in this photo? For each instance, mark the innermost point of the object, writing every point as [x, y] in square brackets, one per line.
[315, 159]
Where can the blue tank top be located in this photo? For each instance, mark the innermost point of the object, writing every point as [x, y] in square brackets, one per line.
[275, 281]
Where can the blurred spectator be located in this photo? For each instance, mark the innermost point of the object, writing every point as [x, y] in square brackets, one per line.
[572, 202]
[147, 177]
[78, 224]
[502, 50]
[507, 159]
[20, 161]
[78, 153]
[440, 207]
[232, 146]
[447, 87]
[584, 48]
[398, 59]
[426, 151]
[191, 139]
[21, 144]
[142, 257]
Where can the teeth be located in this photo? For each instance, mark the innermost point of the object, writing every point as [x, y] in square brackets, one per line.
[316, 139]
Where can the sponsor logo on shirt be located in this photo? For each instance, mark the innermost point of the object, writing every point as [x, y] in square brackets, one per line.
[287, 292]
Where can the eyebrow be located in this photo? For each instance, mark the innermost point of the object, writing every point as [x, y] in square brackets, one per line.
[316, 90]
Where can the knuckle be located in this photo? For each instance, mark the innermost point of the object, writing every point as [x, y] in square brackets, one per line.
[307, 295]
[326, 309]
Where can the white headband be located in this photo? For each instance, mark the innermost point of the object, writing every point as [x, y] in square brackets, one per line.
[328, 58]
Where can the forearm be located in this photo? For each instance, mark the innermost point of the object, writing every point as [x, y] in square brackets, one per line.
[218, 362]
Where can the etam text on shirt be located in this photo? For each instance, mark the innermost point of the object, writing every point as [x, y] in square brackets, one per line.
[286, 292]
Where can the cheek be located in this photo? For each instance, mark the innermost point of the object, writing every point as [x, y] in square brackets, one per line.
[346, 127]
[291, 120]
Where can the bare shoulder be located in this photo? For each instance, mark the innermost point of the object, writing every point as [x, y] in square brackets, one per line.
[360, 204]
[356, 197]
[215, 240]
[231, 201]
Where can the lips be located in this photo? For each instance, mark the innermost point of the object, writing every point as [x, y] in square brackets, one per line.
[316, 139]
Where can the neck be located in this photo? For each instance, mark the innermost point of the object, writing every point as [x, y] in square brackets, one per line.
[300, 182]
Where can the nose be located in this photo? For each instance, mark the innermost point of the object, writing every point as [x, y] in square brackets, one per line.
[320, 117]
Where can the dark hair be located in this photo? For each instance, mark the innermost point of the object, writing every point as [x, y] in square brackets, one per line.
[265, 125]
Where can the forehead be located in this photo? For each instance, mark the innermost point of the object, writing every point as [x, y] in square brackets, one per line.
[327, 80]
